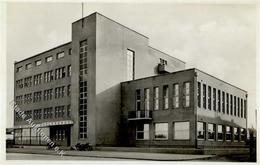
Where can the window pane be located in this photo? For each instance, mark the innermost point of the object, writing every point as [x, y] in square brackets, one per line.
[161, 131]
[181, 130]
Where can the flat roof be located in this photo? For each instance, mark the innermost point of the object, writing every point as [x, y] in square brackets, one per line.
[16, 62]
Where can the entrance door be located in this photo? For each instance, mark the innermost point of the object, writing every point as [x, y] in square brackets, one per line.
[60, 135]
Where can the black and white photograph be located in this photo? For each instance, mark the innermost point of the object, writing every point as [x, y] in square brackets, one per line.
[113, 81]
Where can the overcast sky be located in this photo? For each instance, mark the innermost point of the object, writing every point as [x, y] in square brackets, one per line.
[218, 39]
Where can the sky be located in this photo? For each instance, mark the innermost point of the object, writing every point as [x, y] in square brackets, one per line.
[219, 39]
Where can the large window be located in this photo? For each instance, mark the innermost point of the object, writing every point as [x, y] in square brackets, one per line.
[130, 64]
[238, 106]
[147, 99]
[209, 97]
[201, 130]
[138, 100]
[165, 97]
[69, 71]
[227, 103]
[176, 96]
[245, 108]
[161, 131]
[235, 105]
[181, 130]
[214, 99]
[236, 135]
[199, 94]
[142, 132]
[219, 102]
[211, 131]
[228, 133]
[231, 104]
[156, 98]
[242, 134]
[186, 94]
[220, 133]
[204, 97]
[223, 102]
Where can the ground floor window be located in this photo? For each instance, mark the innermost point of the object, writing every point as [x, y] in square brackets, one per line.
[201, 130]
[181, 130]
[242, 134]
[236, 137]
[161, 131]
[211, 131]
[220, 132]
[142, 132]
[228, 133]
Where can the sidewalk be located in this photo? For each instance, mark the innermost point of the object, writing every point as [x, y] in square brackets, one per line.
[115, 154]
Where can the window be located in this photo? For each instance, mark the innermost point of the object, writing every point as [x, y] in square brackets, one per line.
[37, 114]
[130, 64]
[236, 136]
[227, 103]
[48, 59]
[147, 99]
[138, 100]
[37, 96]
[243, 134]
[59, 92]
[68, 90]
[59, 111]
[38, 62]
[214, 99]
[219, 103]
[70, 51]
[28, 81]
[19, 99]
[19, 69]
[165, 97]
[181, 130]
[238, 106]
[156, 98]
[201, 130]
[69, 70]
[211, 132]
[228, 133]
[199, 94]
[231, 104]
[68, 110]
[161, 131]
[223, 102]
[28, 66]
[235, 105]
[37, 79]
[209, 97]
[204, 97]
[19, 83]
[47, 94]
[27, 98]
[142, 132]
[186, 94]
[60, 73]
[163, 61]
[245, 108]
[220, 132]
[48, 76]
[242, 108]
[47, 113]
[176, 96]
[60, 55]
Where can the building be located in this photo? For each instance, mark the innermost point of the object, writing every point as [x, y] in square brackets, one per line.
[85, 91]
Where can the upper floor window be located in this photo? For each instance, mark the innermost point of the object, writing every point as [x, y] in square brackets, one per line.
[223, 102]
[186, 94]
[199, 94]
[156, 98]
[242, 108]
[19, 69]
[70, 51]
[163, 61]
[238, 106]
[231, 104]
[219, 101]
[138, 99]
[130, 64]
[209, 97]
[165, 97]
[60, 55]
[204, 96]
[227, 103]
[68, 90]
[38, 62]
[60, 73]
[214, 99]
[28, 81]
[235, 105]
[28, 66]
[147, 99]
[49, 59]
[176, 93]
[245, 108]
[69, 71]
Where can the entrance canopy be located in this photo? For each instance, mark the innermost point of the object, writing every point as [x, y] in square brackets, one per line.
[46, 124]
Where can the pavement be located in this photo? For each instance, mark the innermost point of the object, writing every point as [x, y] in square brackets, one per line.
[114, 154]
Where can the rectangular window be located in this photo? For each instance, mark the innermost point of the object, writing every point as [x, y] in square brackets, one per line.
[147, 99]
[214, 99]
[176, 92]
[68, 90]
[220, 132]
[38, 62]
[209, 97]
[19, 69]
[211, 132]
[181, 130]
[165, 97]
[186, 90]
[238, 106]
[219, 102]
[130, 64]
[236, 136]
[156, 98]
[142, 132]
[199, 94]
[60, 55]
[68, 110]
[69, 71]
[223, 102]
[138, 100]
[235, 105]
[70, 51]
[231, 104]
[227, 103]
[245, 108]
[228, 133]
[48, 59]
[242, 134]
[201, 130]
[161, 131]
[204, 96]
[28, 66]
[242, 108]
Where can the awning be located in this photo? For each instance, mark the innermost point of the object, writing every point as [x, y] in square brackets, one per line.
[46, 124]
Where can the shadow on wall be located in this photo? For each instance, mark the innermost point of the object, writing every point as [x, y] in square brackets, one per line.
[108, 112]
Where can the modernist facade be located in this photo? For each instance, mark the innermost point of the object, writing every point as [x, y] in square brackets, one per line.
[108, 87]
